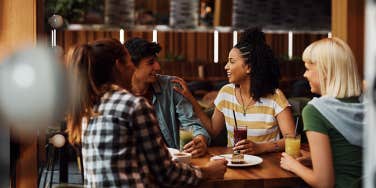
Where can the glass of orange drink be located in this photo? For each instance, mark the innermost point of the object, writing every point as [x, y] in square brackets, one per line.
[292, 145]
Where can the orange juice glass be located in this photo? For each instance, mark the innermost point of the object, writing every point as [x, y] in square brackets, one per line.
[292, 145]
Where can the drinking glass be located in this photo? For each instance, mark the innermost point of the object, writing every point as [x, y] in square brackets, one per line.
[292, 145]
[240, 133]
[186, 135]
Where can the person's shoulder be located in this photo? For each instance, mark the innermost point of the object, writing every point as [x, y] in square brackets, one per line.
[133, 102]
[309, 110]
[277, 97]
[123, 96]
[228, 88]
[164, 82]
[164, 78]
[277, 94]
[314, 120]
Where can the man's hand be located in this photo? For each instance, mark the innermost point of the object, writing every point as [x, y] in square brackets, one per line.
[197, 147]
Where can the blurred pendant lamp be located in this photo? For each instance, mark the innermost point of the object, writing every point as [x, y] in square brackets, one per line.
[33, 89]
[33, 86]
[55, 21]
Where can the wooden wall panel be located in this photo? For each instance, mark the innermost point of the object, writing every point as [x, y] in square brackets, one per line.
[201, 49]
[162, 40]
[278, 42]
[18, 27]
[356, 17]
[210, 42]
[348, 24]
[191, 46]
[302, 40]
[225, 46]
[197, 47]
[18, 24]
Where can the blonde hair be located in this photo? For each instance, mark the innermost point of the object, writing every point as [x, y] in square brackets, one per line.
[336, 66]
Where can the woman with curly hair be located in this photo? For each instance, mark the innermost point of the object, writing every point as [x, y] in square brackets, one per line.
[252, 98]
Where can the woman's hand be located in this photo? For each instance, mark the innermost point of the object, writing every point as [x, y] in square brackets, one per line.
[183, 89]
[288, 162]
[248, 147]
[197, 147]
[214, 169]
[305, 158]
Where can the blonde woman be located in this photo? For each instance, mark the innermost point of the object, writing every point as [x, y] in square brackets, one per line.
[333, 123]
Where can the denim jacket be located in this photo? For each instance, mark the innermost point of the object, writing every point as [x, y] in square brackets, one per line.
[174, 110]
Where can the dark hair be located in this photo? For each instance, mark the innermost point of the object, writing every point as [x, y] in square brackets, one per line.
[105, 53]
[91, 69]
[139, 48]
[264, 66]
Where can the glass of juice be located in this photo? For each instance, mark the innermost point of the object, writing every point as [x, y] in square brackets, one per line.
[240, 133]
[186, 135]
[292, 145]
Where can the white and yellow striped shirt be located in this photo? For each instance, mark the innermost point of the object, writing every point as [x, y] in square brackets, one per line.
[260, 118]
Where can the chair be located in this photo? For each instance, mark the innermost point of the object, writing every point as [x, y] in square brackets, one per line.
[59, 150]
[297, 105]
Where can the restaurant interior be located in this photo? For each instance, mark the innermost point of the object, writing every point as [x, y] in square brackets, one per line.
[196, 37]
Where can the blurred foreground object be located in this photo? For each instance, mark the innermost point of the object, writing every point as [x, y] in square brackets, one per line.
[32, 90]
[56, 21]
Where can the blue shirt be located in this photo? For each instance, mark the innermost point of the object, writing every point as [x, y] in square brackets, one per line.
[174, 110]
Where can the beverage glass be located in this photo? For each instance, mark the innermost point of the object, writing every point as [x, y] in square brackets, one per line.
[292, 145]
[240, 133]
[186, 135]
[182, 157]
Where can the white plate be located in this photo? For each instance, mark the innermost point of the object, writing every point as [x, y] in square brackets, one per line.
[250, 160]
[172, 151]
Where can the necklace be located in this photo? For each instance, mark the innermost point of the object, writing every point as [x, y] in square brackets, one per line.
[244, 108]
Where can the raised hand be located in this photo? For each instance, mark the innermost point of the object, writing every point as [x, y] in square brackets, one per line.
[182, 88]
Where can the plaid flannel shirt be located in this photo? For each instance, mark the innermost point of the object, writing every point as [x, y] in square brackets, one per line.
[122, 146]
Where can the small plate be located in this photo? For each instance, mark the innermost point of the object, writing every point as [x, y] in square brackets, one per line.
[250, 160]
[173, 151]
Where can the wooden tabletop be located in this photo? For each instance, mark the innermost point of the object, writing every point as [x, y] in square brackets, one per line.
[267, 174]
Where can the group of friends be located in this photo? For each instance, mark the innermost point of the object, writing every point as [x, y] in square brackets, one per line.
[125, 115]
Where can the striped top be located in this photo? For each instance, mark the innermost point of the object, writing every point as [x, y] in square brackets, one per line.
[260, 118]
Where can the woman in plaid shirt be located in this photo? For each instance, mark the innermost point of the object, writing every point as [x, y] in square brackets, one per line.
[121, 142]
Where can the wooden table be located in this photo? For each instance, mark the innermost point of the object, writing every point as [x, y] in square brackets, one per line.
[267, 174]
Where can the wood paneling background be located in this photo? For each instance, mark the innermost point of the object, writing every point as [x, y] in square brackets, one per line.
[18, 27]
[348, 24]
[197, 48]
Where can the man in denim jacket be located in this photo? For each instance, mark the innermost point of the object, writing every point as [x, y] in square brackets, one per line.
[172, 109]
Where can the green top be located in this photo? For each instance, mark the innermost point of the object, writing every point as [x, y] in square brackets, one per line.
[347, 158]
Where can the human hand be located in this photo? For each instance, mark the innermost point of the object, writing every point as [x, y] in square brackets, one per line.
[288, 162]
[248, 147]
[197, 147]
[183, 89]
[305, 158]
[215, 169]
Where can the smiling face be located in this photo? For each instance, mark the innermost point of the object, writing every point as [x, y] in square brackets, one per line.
[312, 75]
[237, 70]
[147, 70]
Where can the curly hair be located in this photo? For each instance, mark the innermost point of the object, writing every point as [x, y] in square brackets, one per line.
[139, 48]
[259, 56]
